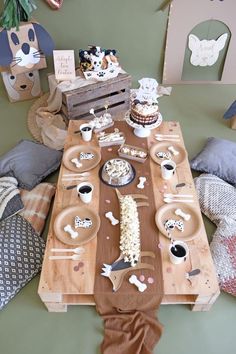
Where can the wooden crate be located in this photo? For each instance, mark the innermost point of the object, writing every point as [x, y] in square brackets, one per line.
[60, 286]
[114, 92]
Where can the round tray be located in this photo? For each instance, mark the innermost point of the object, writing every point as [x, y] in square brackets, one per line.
[163, 147]
[191, 227]
[66, 216]
[74, 152]
[117, 185]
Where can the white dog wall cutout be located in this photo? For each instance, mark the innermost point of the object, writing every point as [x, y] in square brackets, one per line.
[205, 52]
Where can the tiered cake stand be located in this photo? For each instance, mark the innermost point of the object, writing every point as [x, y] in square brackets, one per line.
[143, 131]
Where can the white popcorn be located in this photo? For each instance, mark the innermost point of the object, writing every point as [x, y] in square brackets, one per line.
[130, 230]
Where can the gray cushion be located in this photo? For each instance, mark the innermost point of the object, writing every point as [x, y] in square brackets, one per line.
[21, 255]
[30, 162]
[218, 157]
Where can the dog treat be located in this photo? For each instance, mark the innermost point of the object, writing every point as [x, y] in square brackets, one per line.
[86, 156]
[76, 162]
[134, 280]
[86, 223]
[142, 180]
[105, 139]
[112, 219]
[117, 168]
[163, 155]
[182, 214]
[173, 150]
[130, 230]
[73, 234]
[171, 224]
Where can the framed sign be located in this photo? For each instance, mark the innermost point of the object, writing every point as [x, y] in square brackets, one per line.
[64, 64]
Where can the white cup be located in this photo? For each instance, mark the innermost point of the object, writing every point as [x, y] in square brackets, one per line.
[168, 168]
[85, 192]
[178, 252]
[86, 131]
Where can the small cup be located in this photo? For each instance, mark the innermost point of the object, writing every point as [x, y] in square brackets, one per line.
[168, 168]
[85, 191]
[86, 130]
[178, 252]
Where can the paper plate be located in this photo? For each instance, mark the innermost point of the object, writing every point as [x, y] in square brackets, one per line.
[163, 147]
[191, 227]
[67, 216]
[74, 152]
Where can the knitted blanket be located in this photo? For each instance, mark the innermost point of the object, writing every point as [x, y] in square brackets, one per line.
[10, 201]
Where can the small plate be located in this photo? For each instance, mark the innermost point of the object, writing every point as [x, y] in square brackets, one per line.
[74, 152]
[163, 147]
[67, 216]
[191, 227]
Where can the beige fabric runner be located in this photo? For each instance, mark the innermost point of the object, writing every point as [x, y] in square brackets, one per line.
[130, 322]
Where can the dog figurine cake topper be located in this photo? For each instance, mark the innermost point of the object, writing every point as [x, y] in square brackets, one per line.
[25, 50]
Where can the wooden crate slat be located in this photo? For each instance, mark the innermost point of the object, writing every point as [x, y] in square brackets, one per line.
[93, 94]
[100, 84]
[85, 107]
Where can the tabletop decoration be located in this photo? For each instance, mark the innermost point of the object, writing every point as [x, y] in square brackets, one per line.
[103, 122]
[141, 183]
[109, 139]
[117, 172]
[133, 153]
[100, 64]
[130, 246]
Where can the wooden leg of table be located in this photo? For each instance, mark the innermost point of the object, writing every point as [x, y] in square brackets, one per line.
[55, 307]
[204, 303]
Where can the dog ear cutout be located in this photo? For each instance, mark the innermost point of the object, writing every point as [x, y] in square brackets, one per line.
[5, 50]
[12, 93]
[45, 41]
[36, 89]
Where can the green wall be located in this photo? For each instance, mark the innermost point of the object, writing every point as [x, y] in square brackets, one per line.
[133, 27]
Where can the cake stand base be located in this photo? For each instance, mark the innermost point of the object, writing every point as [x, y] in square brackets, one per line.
[142, 132]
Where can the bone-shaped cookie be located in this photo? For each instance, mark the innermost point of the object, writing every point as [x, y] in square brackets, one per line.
[173, 150]
[76, 162]
[112, 219]
[134, 280]
[70, 231]
[182, 214]
[142, 180]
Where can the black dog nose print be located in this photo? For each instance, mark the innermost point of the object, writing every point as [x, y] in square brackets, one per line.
[25, 48]
[23, 86]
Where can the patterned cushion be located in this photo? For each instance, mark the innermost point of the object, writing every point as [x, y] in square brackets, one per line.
[218, 157]
[223, 248]
[36, 204]
[217, 201]
[21, 254]
[10, 200]
[217, 198]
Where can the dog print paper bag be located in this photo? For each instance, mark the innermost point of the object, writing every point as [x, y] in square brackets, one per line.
[24, 50]
[22, 87]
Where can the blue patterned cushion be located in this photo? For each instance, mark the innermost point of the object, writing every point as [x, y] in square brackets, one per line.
[21, 255]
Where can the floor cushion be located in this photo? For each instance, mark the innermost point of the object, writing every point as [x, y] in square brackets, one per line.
[10, 200]
[218, 157]
[218, 202]
[216, 197]
[223, 249]
[36, 204]
[30, 163]
[21, 255]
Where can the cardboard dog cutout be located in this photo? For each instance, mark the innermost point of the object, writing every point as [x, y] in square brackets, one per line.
[25, 50]
[22, 87]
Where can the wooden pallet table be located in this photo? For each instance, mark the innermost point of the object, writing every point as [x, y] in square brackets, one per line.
[64, 283]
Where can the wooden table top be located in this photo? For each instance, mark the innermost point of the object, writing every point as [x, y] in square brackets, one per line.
[61, 277]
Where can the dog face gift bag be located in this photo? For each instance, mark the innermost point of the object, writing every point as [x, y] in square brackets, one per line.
[23, 86]
[25, 49]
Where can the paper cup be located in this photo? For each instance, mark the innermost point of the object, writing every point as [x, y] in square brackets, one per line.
[178, 252]
[168, 168]
[86, 131]
[85, 192]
